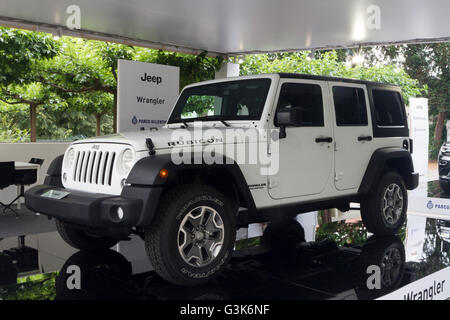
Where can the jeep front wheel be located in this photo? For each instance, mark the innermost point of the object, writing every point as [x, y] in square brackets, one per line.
[384, 210]
[192, 236]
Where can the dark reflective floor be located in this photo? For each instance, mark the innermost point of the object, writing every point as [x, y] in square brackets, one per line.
[279, 265]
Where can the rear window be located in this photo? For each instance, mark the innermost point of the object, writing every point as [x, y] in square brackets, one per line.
[388, 108]
[350, 106]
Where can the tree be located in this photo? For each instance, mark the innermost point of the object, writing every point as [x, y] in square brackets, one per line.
[19, 50]
[329, 63]
[429, 63]
[78, 76]
[97, 104]
[88, 67]
[84, 70]
[33, 95]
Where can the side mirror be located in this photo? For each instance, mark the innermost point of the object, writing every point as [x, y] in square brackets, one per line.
[288, 117]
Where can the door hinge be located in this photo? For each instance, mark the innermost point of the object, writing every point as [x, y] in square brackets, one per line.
[272, 184]
[337, 146]
[338, 176]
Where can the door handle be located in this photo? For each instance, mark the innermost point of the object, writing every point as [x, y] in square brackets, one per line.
[364, 138]
[324, 139]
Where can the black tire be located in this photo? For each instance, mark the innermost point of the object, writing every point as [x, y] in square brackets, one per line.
[104, 275]
[162, 239]
[82, 240]
[287, 233]
[372, 206]
[388, 253]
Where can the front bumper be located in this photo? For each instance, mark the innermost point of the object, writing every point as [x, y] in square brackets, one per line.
[95, 210]
[444, 166]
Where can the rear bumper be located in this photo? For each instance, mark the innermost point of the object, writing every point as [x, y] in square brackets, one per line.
[98, 211]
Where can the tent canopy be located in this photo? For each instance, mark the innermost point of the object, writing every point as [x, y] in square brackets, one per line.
[239, 26]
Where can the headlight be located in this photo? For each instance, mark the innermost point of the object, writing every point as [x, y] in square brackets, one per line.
[69, 159]
[126, 160]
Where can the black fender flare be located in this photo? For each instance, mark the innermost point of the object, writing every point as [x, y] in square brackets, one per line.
[145, 172]
[53, 177]
[380, 161]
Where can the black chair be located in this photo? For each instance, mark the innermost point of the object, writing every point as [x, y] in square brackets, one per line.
[6, 178]
[24, 178]
[6, 174]
[21, 178]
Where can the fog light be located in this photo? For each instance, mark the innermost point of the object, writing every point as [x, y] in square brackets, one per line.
[117, 214]
[120, 213]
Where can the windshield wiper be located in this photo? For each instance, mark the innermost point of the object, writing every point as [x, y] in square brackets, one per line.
[185, 123]
[213, 118]
[225, 123]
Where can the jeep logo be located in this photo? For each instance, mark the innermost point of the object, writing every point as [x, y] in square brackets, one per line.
[150, 78]
[96, 147]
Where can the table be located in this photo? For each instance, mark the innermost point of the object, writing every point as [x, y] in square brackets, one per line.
[25, 165]
[22, 166]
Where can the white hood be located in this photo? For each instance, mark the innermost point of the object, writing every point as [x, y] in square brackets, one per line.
[165, 138]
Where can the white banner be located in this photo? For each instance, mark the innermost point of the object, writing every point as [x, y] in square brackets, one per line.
[415, 237]
[435, 286]
[418, 113]
[146, 94]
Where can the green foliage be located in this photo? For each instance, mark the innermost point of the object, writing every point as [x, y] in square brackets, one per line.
[19, 49]
[199, 104]
[342, 233]
[429, 65]
[9, 133]
[54, 123]
[330, 63]
[35, 287]
[73, 81]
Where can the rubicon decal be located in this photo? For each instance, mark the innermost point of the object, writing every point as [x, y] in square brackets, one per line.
[189, 142]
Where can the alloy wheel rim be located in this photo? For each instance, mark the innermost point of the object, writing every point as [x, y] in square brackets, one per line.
[390, 266]
[392, 203]
[200, 236]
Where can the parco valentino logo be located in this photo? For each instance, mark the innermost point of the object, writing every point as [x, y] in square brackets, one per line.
[430, 205]
[134, 120]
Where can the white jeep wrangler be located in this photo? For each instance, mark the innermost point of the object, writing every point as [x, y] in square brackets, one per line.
[333, 141]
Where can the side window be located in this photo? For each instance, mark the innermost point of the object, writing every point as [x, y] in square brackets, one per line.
[306, 97]
[350, 106]
[388, 108]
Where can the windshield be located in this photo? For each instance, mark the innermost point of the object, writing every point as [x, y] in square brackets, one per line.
[231, 100]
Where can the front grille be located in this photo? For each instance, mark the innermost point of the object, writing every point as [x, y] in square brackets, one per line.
[94, 167]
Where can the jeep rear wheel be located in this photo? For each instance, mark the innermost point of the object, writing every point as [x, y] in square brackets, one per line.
[192, 236]
[83, 240]
[384, 210]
